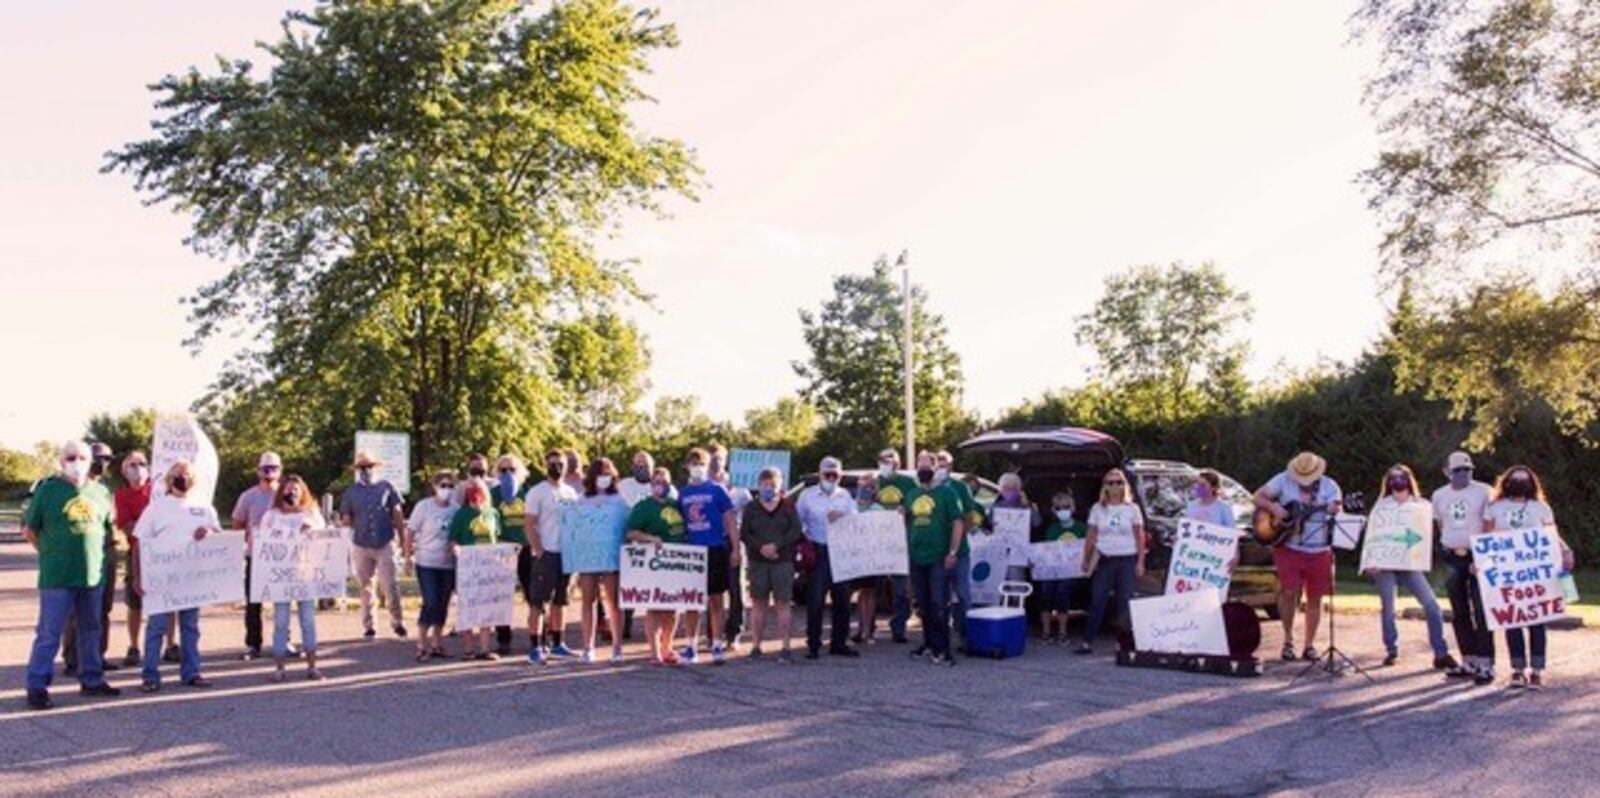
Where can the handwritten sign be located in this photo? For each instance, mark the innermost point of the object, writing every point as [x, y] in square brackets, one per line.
[394, 449]
[184, 573]
[666, 577]
[591, 537]
[1519, 575]
[289, 563]
[1202, 557]
[1012, 525]
[745, 465]
[486, 578]
[1399, 538]
[1059, 559]
[989, 557]
[872, 543]
[1180, 623]
[179, 437]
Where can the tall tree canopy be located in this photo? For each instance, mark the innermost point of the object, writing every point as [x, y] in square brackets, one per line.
[407, 198]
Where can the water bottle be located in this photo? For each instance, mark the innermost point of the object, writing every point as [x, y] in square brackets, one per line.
[1569, 588]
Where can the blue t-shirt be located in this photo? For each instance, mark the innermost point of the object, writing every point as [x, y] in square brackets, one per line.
[371, 508]
[1317, 535]
[1218, 512]
[703, 506]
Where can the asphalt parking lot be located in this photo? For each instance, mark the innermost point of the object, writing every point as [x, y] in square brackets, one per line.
[1049, 722]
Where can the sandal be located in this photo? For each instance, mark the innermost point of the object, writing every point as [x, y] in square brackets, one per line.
[1288, 653]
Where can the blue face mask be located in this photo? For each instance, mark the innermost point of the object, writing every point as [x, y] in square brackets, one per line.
[508, 486]
[768, 493]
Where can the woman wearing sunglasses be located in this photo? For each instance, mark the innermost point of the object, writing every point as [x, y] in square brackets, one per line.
[1116, 534]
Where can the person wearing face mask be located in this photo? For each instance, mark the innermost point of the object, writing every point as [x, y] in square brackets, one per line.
[1207, 505]
[169, 524]
[373, 510]
[426, 544]
[717, 469]
[575, 470]
[1518, 502]
[1055, 594]
[1459, 508]
[657, 519]
[294, 515]
[130, 501]
[889, 490]
[972, 513]
[1305, 560]
[710, 521]
[936, 532]
[506, 496]
[547, 592]
[1116, 534]
[100, 458]
[866, 588]
[1399, 490]
[248, 510]
[597, 588]
[635, 487]
[67, 522]
[1013, 497]
[475, 523]
[477, 470]
[818, 506]
[770, 531]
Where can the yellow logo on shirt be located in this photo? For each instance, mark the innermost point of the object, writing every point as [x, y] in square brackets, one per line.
[78, 511]
[514, 508]
[671, 516]
[481, 526]
[890, 496]
[923, 506]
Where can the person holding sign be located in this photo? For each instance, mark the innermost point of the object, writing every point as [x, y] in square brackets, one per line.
[426, 544]
[294, 508]
[1399, 491]
[770, 531]
[657, 519]
[1207, 504]
[889, 488]
[1519, 503]
[709, 518]
[936, 532]
[167, 523]
[600, 588]
[473, 523]
[1055, 594]
[248, 510]
[1116, 533]
[1459, 508]
[818, 506]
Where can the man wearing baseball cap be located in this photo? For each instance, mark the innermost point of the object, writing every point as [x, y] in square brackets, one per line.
[820, 505]
[1306, 557]
[1459, 508]
[373, 510]
[248, 510]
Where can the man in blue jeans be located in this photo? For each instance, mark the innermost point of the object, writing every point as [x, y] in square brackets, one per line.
[68, 522]
[936, 533]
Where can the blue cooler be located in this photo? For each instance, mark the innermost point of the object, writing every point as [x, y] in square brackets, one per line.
[1000, 631]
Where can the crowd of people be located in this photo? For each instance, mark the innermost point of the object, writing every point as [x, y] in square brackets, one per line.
[758, 543]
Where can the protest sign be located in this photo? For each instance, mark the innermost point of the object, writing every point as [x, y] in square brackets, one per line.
[1399, 538]
[486, 578]
[745, 465]
[179, 437]
[1059, 559]
[868, 544]
[289, 563]
[394, 449]
[989, 556]
[1012, 525]
[591, 536]
[1202, 556]
[666, 577]
[1180, 623]
[1519, 575]
[181, 573]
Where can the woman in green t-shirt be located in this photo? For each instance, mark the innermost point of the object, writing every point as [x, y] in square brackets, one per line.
[658, 519]
[1055, 594]
[476, 522]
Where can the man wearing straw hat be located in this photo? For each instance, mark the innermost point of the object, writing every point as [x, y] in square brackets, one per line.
[1306, 557]
[373, 510]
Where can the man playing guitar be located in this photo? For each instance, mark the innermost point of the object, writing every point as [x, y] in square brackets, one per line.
[1302, 495]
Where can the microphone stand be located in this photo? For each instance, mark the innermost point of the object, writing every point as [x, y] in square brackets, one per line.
[1333, 661]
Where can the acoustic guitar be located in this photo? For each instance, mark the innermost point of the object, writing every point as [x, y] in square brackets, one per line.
[1269, 531]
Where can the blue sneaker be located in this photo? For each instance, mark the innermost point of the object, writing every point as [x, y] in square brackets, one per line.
[718, 656]
[690, 655]
[561, 650]
[537, 656]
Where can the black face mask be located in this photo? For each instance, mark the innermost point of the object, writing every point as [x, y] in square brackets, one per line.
[477, 470]
[1397, 484]
[180, 484]
[924, 475]
[555, 470]
[1519, 488]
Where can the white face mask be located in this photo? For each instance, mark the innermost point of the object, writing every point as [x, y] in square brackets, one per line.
[828, 485]
[1064, 516]
[137, 474]
[697, 473]
[941, 474]
[603, 482]
[885, 469]
[77, 470]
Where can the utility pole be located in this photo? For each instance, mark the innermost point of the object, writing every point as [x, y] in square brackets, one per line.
[904, 262]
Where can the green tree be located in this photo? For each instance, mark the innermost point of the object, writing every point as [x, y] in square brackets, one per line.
[600, 363]
[124, 432]
[675, 425]
[790, 423]
[855, 374]
[408, 199]
[19, 469]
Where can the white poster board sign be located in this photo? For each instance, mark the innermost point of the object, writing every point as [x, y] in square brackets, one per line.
[1058, 559]
[486, 578]
[394, 449]
[179, 437]
[1399, 538]
[1519, 575]
[181, 573]
[1180, 623]
[1202, 557]
[666, 577]
[990, 556]
[1012, 525]
[872, 543]
[288, 563]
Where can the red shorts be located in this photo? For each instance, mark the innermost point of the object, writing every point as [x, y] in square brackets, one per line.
[1299, 568]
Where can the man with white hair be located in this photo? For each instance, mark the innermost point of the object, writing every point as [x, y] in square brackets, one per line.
[68, 522]
[820, 505]
[248, 510]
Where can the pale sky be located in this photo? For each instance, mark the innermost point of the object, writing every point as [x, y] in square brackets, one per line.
[1020, 151]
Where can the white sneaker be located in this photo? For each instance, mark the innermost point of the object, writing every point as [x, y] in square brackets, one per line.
[616, 657]
[588, 656]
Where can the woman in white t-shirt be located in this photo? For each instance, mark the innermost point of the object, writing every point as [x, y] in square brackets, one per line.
[168, 524]
[427, 549]
[293, 517]
[1519, 503]
[1399, 490]
[1116, 534]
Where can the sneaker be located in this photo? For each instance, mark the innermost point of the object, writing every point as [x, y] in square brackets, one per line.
[101, 689]
[1536, 680]
[400, 630]
[314, 675]
[132, 658]
[1391, 659]
[174, 654]
[588, 656]
[1445, 663]
[1484, 676]
[785, 657]
[277, 676]
[900, 637]
[846, 651]
[616, 656]
[489, 656]
[689, 655]
[369, 634]
[149, 687]
[1084, 648]
[1288, 653]
[561, 650]
[718, 655]
[198, 683]
[39, 700]
[1310, 653]
[812, 653]
[536, 656]
[1519, 680]
[755, 653]
[943, 660]
[919, 652]
[1460, 672]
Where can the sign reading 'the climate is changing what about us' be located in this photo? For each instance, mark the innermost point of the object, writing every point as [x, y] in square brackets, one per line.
[868, 544]
[1399, 538]
[1519, 575]
[181, 573]
[1057, 559]
[1180, 623]
[1011, 525]
[486, 576]
[990, 555]
[291, 563]
[591, 536]
[666, 577]
[1202, 557]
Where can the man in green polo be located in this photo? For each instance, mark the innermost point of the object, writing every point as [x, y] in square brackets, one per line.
[68, 522]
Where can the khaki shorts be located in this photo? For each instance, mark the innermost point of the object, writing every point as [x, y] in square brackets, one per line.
[773, 580]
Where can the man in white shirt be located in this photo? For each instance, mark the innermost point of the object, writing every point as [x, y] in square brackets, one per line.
[1459, 510]
[547, 589]
[636, 486]
[820, 505]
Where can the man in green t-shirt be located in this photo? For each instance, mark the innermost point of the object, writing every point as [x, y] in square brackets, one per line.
[936, 534]
[890, 489]
[973, 514]
[68, 521]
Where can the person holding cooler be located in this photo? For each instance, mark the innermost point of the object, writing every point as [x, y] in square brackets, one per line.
[1519, 503]
[1116, 533]
[1459, 508]
[656, 519]
[427, 546]
[167, 525]
[1055, 595]
[293, 508]
[1399, 490]
[474, 523]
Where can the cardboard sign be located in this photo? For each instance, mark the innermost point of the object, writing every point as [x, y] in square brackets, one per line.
[745, 465]
[1399, 538]
[1202, 557]
[1012, 525]
[1180, 623]
[1519, 575]
[486, 578]
[178, 437]
[394, 449]
[591, 537]
[293, 564]
[1060, 559]
[183, 573]
[990, 556]
[872, 543]
[666, 577]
